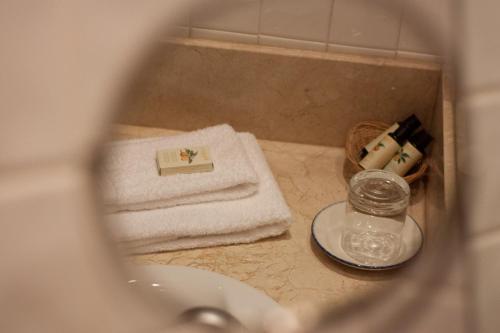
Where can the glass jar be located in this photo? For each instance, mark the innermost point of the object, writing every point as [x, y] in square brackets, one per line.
[375, 216]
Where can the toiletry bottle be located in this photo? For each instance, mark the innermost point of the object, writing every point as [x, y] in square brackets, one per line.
[409, 154]
[369, 147]
[410, 121]
[386, 148]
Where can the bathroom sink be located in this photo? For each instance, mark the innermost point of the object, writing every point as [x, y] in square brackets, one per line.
[197, 287]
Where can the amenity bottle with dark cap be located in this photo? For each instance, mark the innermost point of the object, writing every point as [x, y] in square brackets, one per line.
[379, 156]
[409, 154]
[411, 121]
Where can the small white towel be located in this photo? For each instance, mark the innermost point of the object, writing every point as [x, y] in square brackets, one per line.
[245, 220]
[132, 182]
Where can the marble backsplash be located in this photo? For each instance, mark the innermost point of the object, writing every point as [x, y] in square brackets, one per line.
[277, 94]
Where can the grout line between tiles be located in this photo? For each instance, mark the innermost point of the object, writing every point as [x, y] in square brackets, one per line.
[400, 28]
[227, 33]
[300, 42]
[190, 23]
[329, 27]
[259, 22]
[368, 51]
[485, 238]
[486, 92]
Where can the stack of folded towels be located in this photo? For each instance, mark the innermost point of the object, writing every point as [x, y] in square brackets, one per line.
[238, 202]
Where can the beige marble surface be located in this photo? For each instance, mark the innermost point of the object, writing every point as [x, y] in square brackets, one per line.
[289, 268]
[276, 93]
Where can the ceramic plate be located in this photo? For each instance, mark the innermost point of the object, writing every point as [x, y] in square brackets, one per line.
[196, 287]
[327, 229]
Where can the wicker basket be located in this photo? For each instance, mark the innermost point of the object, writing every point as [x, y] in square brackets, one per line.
[361, 134]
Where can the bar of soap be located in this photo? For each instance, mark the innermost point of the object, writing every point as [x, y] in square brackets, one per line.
[184, 160]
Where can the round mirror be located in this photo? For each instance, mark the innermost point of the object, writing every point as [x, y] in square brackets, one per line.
[210, 147]
[247, 121]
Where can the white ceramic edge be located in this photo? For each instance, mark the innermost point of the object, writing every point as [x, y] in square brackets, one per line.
[247, 304]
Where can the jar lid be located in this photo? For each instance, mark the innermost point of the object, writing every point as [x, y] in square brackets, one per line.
[379, 192]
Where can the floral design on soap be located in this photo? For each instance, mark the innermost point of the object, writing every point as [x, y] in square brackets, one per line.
[188, 155]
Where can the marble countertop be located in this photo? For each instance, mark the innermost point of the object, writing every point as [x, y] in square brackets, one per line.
[289, 268]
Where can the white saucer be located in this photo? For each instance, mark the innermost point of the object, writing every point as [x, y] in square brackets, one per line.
[197, 287]
[327, 230]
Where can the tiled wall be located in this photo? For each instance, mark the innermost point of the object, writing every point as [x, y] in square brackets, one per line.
[478, 154]
[375, 27]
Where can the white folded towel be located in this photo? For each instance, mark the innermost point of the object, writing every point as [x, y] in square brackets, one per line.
[132, 182]
[245, 220]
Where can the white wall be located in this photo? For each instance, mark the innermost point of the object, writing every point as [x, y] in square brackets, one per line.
[478, 155]
[376, 27]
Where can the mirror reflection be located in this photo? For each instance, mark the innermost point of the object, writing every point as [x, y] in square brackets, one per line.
[229, 172]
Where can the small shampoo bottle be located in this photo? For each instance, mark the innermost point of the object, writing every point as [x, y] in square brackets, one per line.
[411, 121]
[409, 154]
[379, 156]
